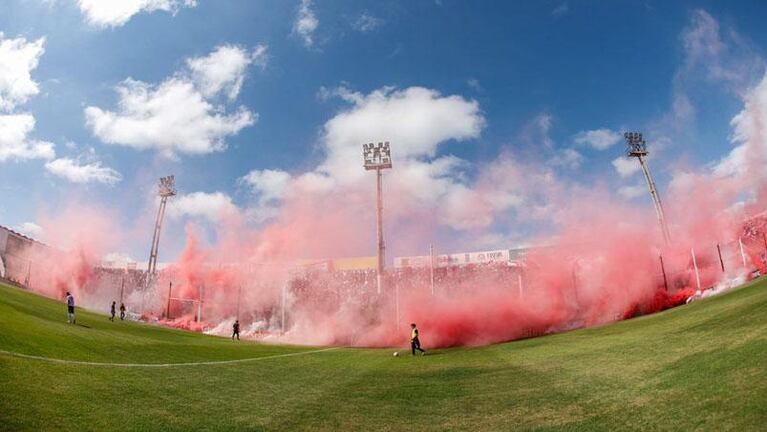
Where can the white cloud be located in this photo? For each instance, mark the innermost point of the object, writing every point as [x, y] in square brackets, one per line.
[535, 132]
[598, 139]
[568, 158]
[269, 185]
[177, 116]
[15, 143]
[366, 23]
[77, 172]
[441, 188]
[115, 13]
[18, 58]
[306, 23]
[211, 206]
[711, 55]
[733, 164]
[260, 56]
[30, 229]
[720, 56]
[415, 120]
[749, 157]
[625, 166]
[632, 191]
[474, 84]
[223, 70]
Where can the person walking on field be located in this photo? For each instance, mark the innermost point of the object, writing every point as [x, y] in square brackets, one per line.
[70, 308]
[415, 344]
[112, 311]
[122, 311]
[236, 329]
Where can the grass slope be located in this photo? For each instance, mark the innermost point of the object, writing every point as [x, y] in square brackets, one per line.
[697, 367]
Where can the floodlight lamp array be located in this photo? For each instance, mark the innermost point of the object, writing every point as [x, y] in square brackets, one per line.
[167, 186]
[377, 156]
[636, 144]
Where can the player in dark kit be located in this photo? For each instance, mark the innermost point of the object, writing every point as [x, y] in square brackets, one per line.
[122, 311]
[415, 344]
[70, 308]
[112, 311]
[236, 329]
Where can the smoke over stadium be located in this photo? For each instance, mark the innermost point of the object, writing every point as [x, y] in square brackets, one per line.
[597, 260]
[519, 248]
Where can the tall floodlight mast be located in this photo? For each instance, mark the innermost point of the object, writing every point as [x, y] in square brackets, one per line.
[638, 148]
[165, 190]
[378, 157]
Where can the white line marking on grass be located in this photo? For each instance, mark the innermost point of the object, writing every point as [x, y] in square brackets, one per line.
[158, 365]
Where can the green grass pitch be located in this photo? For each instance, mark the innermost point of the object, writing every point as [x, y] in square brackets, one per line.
[696, 367]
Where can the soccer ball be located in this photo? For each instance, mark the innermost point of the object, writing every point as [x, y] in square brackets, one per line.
[396, 354]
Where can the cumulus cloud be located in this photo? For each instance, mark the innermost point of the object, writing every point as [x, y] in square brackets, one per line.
[268, 187]
[224, 69]
[115, 13]
[598, 139]
[719, 56]
[415, 120]
[211, 206]
[749, 134]
[76, 171]
[178, 115]
[536, 132]
[306, 23]
[625, 167]
[18, 58]
[15, 143]
[474, 84]
[567, 158]
[366, 23]
[632, 191]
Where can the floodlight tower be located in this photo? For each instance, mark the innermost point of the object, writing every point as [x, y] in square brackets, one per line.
[638, 148]
[166, 189]
[378, 157]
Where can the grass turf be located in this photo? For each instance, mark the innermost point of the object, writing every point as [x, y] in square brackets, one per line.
[697, 367]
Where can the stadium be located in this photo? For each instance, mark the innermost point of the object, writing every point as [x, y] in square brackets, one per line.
[429, 231]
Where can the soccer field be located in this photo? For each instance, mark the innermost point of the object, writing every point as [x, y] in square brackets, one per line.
[696, 367]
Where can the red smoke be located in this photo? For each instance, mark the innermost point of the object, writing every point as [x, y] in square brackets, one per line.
[603, 265]
[599, 260]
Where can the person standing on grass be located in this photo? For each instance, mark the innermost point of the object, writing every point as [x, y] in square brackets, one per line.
[112, 311]
[70, 308]
[415, 344]
[236, 329]
[122, 311]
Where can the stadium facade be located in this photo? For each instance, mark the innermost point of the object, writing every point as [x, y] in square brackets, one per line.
[15, 252]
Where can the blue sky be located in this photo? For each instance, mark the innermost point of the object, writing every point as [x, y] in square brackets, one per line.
[294, 81]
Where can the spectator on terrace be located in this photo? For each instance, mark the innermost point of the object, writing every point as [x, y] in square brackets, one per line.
[70, 308]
